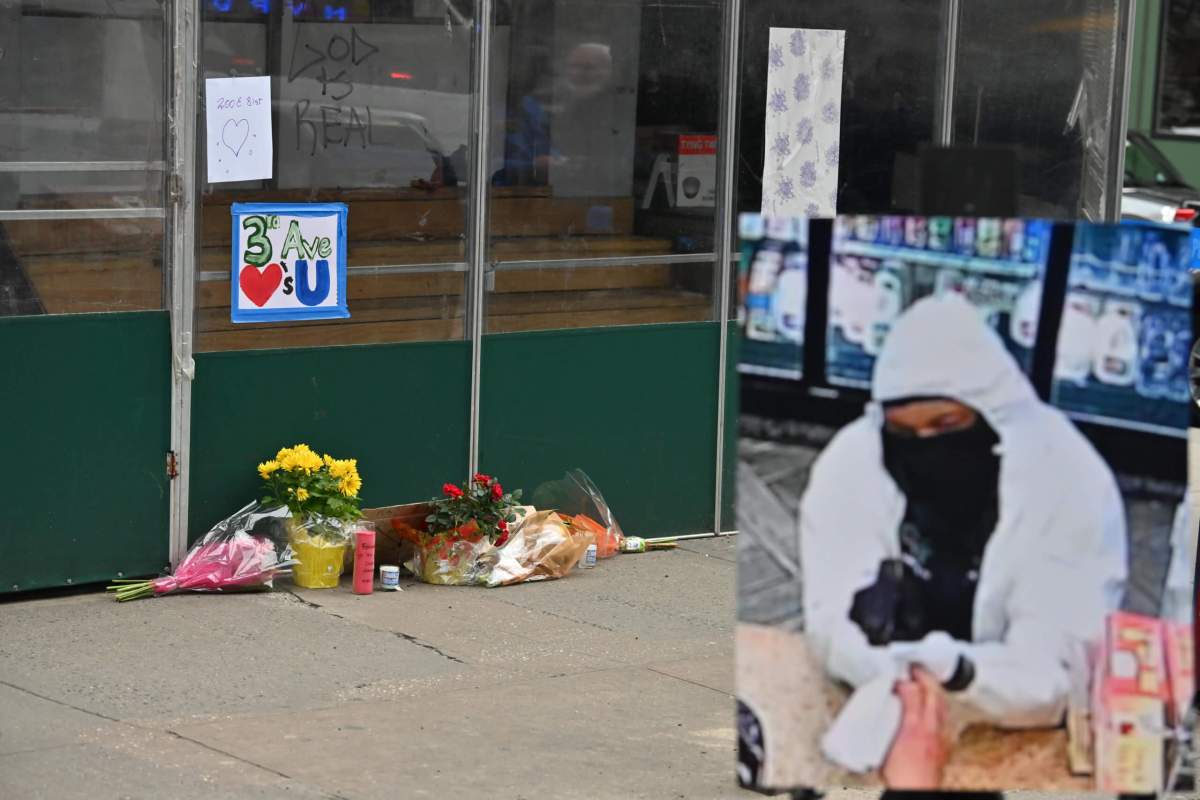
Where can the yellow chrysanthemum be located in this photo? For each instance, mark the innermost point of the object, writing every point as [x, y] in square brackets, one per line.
[350, 485]
[268, 468]
[300, 457]
[342, 468]
[302, 494]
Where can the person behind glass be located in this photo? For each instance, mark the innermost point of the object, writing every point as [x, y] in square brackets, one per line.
[964, 530]
[553, 125]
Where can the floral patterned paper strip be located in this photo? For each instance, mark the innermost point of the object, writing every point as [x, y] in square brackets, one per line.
[804, 122]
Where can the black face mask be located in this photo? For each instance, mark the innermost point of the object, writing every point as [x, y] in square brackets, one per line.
[951, 482]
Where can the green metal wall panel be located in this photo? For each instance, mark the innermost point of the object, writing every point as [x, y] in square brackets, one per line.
[400, 409]
[85, 400]
[634, 407]
[732, 413]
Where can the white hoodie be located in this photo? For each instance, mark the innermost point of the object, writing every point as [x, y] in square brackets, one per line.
[1054, 566]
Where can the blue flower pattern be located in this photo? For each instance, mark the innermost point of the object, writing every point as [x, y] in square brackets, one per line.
[776, 58]
[779, 104]
[802, 87]
[799, 44]
[783, 145]
[803, 130]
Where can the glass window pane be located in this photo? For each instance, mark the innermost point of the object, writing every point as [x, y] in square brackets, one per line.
[603, 148]
[889, 94]
[82, 99]
[371, 107]
[1032, 84]
[1179, 70]
[1038, 78]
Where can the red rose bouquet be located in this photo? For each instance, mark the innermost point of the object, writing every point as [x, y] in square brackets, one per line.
[468, 524]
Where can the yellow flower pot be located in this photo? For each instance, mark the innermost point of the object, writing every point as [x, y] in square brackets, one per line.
[321, 560]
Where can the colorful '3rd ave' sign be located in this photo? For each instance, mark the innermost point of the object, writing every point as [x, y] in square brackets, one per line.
[289, 261]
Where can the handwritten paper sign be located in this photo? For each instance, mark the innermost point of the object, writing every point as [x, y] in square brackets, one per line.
[289, 261]
[238, 113]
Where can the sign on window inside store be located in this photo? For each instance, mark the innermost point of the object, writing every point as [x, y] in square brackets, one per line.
[238, 116]
[289, 261]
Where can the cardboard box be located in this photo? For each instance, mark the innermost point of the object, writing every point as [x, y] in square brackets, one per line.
[396, 530]
[696, 171]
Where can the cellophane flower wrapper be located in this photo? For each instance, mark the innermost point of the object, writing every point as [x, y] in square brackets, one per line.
[578, 500]
[542, 548]
[245, 551]
[452, 558]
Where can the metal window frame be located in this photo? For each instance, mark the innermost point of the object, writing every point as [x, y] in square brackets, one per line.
[1160, 49]
[723, 239]
[182, 253]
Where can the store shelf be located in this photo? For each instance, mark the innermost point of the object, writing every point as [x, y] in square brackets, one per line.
[1011, 269]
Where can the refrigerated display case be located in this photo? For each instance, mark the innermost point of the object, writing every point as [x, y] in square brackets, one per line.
[880, 266]
[1126, 329]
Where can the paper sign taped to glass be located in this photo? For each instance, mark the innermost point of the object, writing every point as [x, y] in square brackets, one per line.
[803, 122]
[288, 262]
[955, 574]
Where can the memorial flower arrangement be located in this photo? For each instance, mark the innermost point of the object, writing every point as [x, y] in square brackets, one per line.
[308, 483]
[467, 525]
[321, 492]
[480, 506]
[246, 551]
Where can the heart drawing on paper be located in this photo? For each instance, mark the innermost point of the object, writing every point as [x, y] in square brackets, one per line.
[258, 285]
[235, 133]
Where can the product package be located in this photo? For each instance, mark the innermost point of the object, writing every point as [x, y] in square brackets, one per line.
[1129, 706]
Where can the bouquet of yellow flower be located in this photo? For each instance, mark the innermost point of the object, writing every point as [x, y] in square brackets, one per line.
[322, 494]
[308, 483]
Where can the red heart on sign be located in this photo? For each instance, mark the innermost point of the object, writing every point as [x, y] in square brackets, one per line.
[258, 285]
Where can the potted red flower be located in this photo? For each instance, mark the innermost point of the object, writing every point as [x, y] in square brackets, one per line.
[467, 522]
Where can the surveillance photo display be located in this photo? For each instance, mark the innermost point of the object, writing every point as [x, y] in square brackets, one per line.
[967, 556]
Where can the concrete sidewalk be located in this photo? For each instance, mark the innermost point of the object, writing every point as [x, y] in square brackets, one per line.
[613, 683]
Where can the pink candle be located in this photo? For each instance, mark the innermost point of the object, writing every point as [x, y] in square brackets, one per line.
[364, 561]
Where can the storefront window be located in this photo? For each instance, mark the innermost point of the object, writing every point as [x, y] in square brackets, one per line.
[602, 195]
[371, 107]
[82, 99]
[1178, 107]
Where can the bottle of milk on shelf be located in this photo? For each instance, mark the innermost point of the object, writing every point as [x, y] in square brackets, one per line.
[791, 297]
[1076, 339]
[889, 302]
[1115, 360]
[760, 293]
[1154, 355]
[1154, 266]
[1179, 385]
[1023, 324]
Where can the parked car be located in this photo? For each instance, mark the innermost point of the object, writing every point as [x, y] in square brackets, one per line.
[1154, 189]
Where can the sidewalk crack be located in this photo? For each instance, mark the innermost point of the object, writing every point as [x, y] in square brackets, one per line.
[419, 643]
[62, 703]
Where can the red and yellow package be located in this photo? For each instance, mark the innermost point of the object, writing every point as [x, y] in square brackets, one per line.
[1136, 662]
[1129, 706]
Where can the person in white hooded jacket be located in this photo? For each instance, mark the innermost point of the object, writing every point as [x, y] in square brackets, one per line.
[963, 524]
